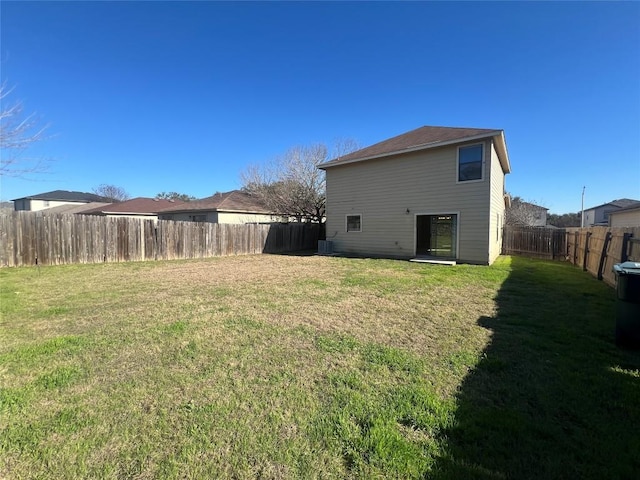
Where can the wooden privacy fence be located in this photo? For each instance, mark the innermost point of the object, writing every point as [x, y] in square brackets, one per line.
[534, 242]
[598, 249]
[30, 238]
[595, 249]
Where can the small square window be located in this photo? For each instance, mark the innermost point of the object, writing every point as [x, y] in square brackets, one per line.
[470, 163]
[354, 223]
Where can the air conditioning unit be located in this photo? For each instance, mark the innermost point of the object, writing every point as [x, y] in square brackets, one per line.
[325, 247]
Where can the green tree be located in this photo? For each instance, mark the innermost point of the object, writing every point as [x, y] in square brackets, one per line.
[174, 196]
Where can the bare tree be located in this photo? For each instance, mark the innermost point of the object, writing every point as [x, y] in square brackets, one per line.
[292, 184]
[17, 133]
[524, 214]
[112, 192]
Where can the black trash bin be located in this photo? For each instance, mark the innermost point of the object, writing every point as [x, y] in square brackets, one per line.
[628, 304]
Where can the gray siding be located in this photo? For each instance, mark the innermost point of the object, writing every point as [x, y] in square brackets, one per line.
[382, 191]
[496, 215]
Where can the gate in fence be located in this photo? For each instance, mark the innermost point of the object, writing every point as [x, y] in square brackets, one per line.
[535, 242]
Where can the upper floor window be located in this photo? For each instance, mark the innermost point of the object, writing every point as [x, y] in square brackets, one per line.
[470, 163]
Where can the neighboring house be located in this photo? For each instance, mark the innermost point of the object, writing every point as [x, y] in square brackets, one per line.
[76, 208]
[235, 206]
[625, 217]
[600, 215]
[140, 207]
[56, 198]
[526, 214]
[539, 215]
[434, 192]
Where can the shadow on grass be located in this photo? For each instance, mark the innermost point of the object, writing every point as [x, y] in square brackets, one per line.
[552, 396]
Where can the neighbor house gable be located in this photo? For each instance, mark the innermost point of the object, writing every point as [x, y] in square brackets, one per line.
[65, 196]
[137, 206]
[235, 201]
[235, 206]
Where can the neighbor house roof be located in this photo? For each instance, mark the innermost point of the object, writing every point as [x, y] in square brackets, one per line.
[534, 206]
[424, 138]
[233, 201]
[621, 203]
[72, 208]
[135, 206]
[633, 206]
[66, 196]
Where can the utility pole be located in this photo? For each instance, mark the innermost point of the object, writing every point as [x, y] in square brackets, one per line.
[582, 210]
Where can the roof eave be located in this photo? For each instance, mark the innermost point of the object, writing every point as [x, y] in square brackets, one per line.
[214, 209]
[426, 146]
[501, 149]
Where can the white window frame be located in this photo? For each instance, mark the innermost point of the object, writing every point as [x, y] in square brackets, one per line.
[346, 222]
[482, 167]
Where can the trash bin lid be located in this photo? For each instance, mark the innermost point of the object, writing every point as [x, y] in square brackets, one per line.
[627, 268]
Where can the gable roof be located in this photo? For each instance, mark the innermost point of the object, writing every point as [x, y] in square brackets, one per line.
[135, 206]
[533, 206]
[66, 196]
[424, 138]
[634, 206]
[233, 201]
[620, 203]
[77, 208]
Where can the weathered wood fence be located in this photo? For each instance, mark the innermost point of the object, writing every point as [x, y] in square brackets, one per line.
[594, 249]
[36, 238]
[534, 242]
[598, 249]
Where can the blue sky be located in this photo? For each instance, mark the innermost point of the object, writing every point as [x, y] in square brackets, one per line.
[182, 96]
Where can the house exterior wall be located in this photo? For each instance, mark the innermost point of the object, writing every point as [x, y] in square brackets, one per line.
[34, 205]
[132, 215]
[230, 217]
[629, 218]
[221, 217]
[389, 192]
[496, 206]
[211, 217]
[540, 218]
[598, 215]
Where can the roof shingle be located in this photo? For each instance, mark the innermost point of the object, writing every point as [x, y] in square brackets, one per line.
[233, 201]
[139, 205]
[415, 139]
[66, 196]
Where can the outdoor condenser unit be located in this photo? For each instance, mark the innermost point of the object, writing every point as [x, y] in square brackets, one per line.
[325, 247]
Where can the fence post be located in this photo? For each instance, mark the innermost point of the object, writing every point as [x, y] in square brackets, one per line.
[586, 251]
[625, 247]
[603, 255]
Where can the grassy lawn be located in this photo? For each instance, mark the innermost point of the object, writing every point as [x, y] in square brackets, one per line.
[314, 367]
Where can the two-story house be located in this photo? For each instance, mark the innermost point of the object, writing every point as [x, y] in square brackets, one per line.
[56, 198]
[599, 215]
[433, 192]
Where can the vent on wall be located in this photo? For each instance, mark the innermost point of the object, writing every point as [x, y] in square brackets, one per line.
[325, 247]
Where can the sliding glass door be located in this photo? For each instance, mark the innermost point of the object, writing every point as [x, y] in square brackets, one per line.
[436, 235]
